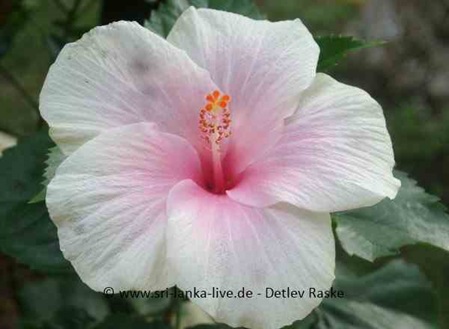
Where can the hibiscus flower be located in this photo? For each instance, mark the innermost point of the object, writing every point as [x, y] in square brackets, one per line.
[210, 159]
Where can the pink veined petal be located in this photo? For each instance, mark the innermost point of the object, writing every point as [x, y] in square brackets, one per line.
[121, 74]
[264, 66]
[108, 201]
[214, 241]
[335, 154]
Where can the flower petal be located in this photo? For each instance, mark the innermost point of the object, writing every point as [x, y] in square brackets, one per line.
[214, 241]
[108, 202]
[264, 66]
[121, 74]
[335, 154]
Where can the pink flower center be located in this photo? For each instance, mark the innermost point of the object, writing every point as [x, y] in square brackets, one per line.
[215, 126]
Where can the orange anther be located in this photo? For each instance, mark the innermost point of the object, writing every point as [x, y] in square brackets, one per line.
[214, 122]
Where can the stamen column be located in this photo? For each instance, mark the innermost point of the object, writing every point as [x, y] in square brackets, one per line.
[215, 125]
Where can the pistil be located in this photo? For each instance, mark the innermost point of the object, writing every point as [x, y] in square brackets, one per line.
[219, 184]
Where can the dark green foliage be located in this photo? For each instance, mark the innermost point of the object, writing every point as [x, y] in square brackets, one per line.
[388, 297]
[335, 48]
[122, 321]
[26, 231]
[13, 16]
[434, 263]
[412, 217]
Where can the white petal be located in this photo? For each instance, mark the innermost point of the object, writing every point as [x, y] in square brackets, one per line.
[121, 74]
[335, 154]
[216, 242]
[263, 66]
[108, 202]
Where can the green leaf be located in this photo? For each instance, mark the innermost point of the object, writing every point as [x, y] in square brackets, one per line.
[121, 321]
[26, 231]
[46, 301]
[55, 158]
[412, 217]
[434, 263]
[334, 48]
[394, 296]
[356, 315]
[163, 19]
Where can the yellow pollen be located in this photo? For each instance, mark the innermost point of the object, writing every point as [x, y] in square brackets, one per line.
[214, 119]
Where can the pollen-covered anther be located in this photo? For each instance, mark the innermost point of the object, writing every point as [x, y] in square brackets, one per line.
[214, 118]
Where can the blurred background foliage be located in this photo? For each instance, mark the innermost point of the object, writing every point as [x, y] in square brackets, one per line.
[409, 75]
